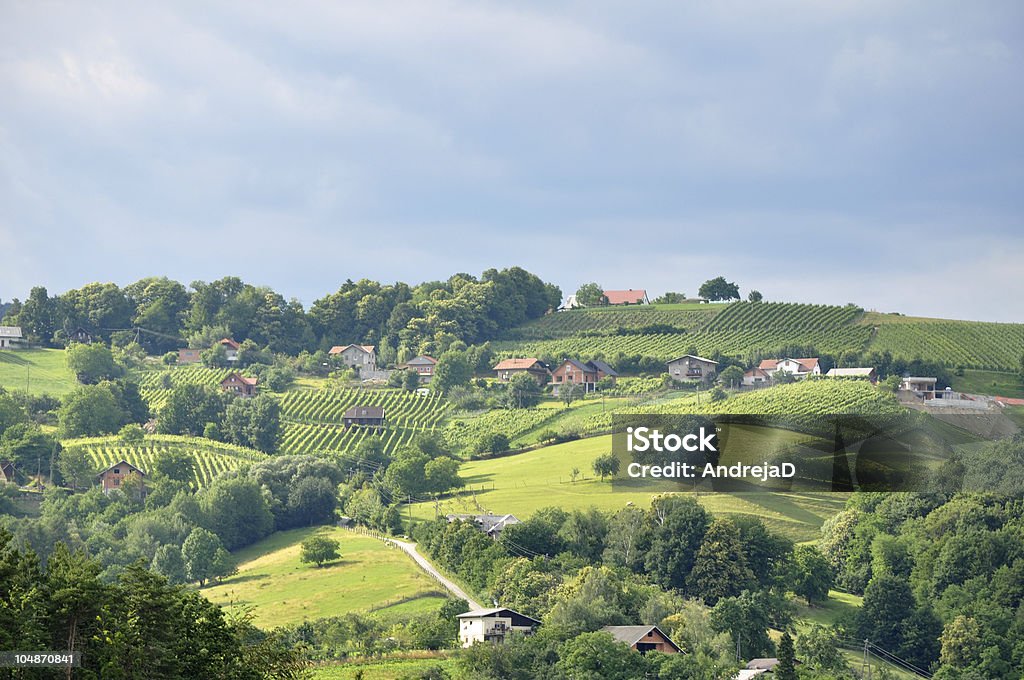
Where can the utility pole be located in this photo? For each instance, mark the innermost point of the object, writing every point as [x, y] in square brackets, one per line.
[865, 668]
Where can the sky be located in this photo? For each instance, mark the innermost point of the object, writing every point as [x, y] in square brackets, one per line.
[830, 152]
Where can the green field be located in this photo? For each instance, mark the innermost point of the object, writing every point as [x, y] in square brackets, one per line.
[211, 458]
[370, 576]
[996, 383]
[971, 344]
[40, 371]
[381, 669]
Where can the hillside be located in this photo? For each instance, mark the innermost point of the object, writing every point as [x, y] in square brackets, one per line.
[40, 371]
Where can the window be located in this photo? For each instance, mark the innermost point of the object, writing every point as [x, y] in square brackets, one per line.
[117, 471]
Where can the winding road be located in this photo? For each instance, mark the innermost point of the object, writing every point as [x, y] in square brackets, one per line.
[410, 549]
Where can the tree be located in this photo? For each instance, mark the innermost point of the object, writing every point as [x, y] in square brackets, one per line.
[175, 465]
[569, 392]
[189, 408]
[786, 668]
[669, 298]
[255, 422]
[311, 500]
[719, 289]
[319, 550]
[812, 574]
[747, 619]
[198, 554]
[819, 649]
[410, 380]
[888, 602]
[720, 566]
[91, 363]
[599, 655]
[75, 467]
[237, 511]
[606, 465]
[89, 411]
[453, 369]
[591, 295]
[11, 412]
[522, 391]
[442, 474]
[168, 562]
[731, 376]
[680, 525]
[755, 296]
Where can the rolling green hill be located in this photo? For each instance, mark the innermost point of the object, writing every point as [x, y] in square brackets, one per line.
[370, 576]
[40, 371]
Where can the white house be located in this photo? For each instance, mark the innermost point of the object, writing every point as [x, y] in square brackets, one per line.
[493, 625]
[230, 348]
[362, 357]
[756, 377]
[10, 337]
[798, 368]
[492, 525]
[865, 373]
[922, 387]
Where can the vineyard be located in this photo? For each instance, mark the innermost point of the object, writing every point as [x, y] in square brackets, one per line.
[608, 321]
[783, 315]
[211, 458]
[313, 418]
[463, 435]
[971, 344]
[156, 386]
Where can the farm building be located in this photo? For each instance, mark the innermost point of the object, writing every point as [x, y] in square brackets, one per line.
[364, 416]
[239, 384]
[423, 365]
[756, 377]
[493, 625]
[230, 348]
[798, 368]
[80, 335]
[507, 368]
[627, 297]
[492, 525]
[643, 638]
[690, 368]
[360, 357]
[762, 668]
[576, 372]
[113, 477]
[865, 373]
[10, 337]
[570, 303]
[922, 387]
[188, 356]
[8, 472]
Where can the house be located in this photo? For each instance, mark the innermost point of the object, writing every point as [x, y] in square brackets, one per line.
[113, 477]
[627, 297]
[756, 377]
[359, 357]
[575, 372]
[762, 668]
[643, 639]
[492, 525]
[8, 472]
[922, 387]
[798, 368]
[423, 365]
[493, 625]
[239, 384]
[507, 368]
[187, 355]
[80, 335]
[570, 303]
[230, 348]
[865, 373]
[10, 337]
[364, 416]
[690, 368]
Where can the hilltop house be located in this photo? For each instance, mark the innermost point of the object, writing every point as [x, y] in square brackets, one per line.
[230, 348]
[239, 384]
[798, 368]
[10, 337]
[113, 477]
[187, 355]
[364, 416]
[575, 372]
[492, 525]
[922, 387]
[690, 368]
[8, 472]
[423, 365]
[359, 357]
[643, 638]
[493, 625]
[865, 373]
[570, 303]
[627, 297]
[507, 368]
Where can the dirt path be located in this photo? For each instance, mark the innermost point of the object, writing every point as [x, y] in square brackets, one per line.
[425, 564]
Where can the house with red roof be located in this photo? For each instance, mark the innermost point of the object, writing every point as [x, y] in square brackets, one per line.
[230, 348]
[423, 366]
[627, 297]
[239, 384]
[576, 372]
[506, 368]
[359, 357]
[798, 368]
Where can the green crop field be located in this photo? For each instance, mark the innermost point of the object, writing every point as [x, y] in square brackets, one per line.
[40, 371]
[313, 418]
[370, 576]
[971, 344]
[211, 458]
[998, 383]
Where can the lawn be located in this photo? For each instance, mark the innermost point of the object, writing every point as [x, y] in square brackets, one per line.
[996, 383]
[523, 483]
[369, 577]
[380, 669]
[41, 371]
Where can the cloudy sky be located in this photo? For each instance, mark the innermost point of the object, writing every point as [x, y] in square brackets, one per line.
[841, 151]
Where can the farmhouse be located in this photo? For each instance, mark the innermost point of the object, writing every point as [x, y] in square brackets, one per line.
[507, 368]
[762, 668]
[8, 472]
[865, 373]
[922, 387]
[113, 477]
[239, 384]
[493, 625]
[360, 357]
[230, 348]
[80, 335]
[570, 303]
[756, 377]
[643, 638]
[10, 337]
[690, 368]
[627, 297]
[423, 365]
[492, 525]
[364, 416]
[187, 355]
[798, 368]
[575, 372]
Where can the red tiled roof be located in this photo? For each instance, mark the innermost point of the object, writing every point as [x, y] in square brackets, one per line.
[772, 364]
[338, 349]
[1010, 401]
[512, 364]
[228, 341]
[244, 379]
[621, 297]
